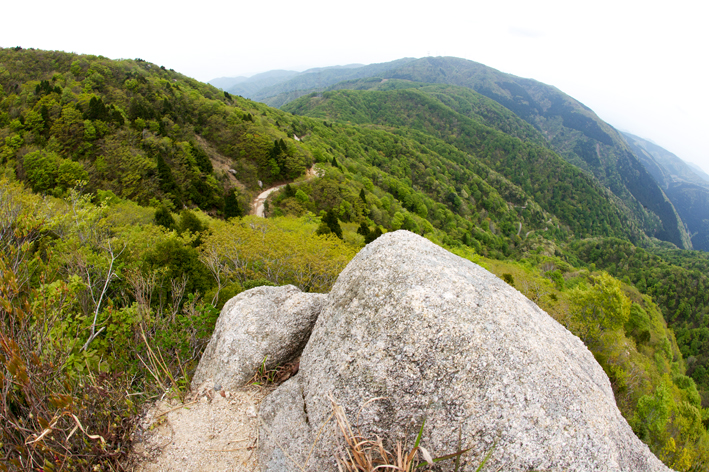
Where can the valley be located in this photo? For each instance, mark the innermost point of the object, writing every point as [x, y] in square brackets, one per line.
[125, 198]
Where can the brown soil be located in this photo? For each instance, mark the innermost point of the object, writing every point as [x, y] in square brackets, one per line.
[220, 162]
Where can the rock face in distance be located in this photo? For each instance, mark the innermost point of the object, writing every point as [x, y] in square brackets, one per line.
[264, 322]
[443, 339]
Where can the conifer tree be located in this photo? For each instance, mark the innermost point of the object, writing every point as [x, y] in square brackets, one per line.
[190, 222]
[363, 229]
[164, 218]
[330, 222]
[373, 235]
[167, 182]
[232, 208]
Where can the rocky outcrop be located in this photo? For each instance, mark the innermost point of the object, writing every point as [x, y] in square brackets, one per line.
[285, 435]
[441, 339]
[271, 323]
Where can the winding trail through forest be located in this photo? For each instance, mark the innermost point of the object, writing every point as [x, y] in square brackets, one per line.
[257, 204]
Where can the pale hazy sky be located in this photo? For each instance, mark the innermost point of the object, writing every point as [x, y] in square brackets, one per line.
[640, 65]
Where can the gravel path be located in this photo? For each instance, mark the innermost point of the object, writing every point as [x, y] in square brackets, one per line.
[257, 205]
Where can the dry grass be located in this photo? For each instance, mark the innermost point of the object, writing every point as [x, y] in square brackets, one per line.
[363, 454]
[276, 376]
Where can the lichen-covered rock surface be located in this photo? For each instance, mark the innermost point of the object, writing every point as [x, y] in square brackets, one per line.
[284, 429]
[446, 341]
[271, 323]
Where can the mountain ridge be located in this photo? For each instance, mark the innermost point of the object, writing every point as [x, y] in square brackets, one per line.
[686, 188]
[570, 128]
[126, 153]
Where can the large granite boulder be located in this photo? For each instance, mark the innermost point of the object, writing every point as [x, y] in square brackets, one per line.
[271, 323]
[442, 339]
[285, 438]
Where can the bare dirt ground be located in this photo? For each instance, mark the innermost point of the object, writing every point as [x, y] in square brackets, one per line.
[210, 431]
[220, 162]
[257, 205]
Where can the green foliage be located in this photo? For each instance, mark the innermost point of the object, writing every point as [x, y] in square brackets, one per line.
[46, 171]
[544, 176]
[372, 235]
[164, 218]
[141, 131]
[507, 277]
[330, 224]
[653, 412]
[680, 289]
[301, 196]
[599, 308]
[178, 261]
[661, 404]
[232, 206]
[280, 250]
[190, 222]
[104, 272]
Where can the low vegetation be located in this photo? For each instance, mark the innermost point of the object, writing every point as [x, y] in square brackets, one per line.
[124, 191]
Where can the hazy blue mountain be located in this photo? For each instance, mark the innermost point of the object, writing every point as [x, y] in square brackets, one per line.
[699, 171]
[686, 188]
[320, 69]
[318, 79]
[226, 83]
[672, 168]
[253, 84]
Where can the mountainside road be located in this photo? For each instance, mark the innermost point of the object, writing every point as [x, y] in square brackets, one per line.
[257, 204]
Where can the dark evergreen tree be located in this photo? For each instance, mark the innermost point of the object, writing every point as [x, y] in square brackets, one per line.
[43, 88]
[44, 111]
[178, 260]
[373, 235]
[167, 182]
[164, 218]
[140, 108]
[330, 219]
[190, 222]
[363, 229]
[232, 208]
[116, 116]
[97, 110]
[334, 162]
[202, 159]
[323, 229]
[362, 196]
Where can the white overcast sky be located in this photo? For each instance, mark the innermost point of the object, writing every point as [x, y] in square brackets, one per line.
[640, 65]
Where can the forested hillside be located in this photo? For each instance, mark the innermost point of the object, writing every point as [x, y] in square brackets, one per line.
[570, 128]
[124, 189]
[686, 188]
[555, 185]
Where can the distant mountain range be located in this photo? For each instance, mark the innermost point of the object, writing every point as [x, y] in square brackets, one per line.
[563, 124]
[687, 186]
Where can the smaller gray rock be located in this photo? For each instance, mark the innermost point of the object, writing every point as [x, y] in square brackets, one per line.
[272, 323]
[284, 427]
